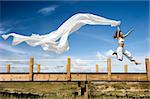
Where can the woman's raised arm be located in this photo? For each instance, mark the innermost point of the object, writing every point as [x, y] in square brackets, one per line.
[118, 31]
[128, 33]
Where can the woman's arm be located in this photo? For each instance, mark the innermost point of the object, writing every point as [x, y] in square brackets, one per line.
[118, 31]
[128, 33]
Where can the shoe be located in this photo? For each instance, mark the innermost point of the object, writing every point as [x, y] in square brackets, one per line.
[120, 59]
[137, 63]
[114, 53]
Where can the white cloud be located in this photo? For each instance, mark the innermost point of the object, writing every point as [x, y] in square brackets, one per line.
[47, 10]
[6, 47]
[100, 56]
[107, 54]
[79, 62]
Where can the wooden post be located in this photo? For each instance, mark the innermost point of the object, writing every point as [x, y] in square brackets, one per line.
[79, 88]
[147, 64]
[8, 68]
[125, 68]
[68, 68]
[79, 83]
[96, 68]
[31, 69]
[109, 68]
[39, 68]
[86, 93]
[90, 87]
[82, 88]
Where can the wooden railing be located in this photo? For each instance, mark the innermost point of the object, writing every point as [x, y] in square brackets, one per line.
[69, 76]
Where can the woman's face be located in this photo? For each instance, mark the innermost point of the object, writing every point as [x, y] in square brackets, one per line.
[121, 34]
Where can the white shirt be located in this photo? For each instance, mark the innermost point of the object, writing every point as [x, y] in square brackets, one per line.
[121, 41]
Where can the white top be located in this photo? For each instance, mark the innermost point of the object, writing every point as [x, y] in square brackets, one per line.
[121, 41]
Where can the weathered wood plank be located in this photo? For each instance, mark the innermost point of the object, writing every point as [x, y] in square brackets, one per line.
[74, 77]
[38, 68]
[147, 64]
[109, 68]
[125, 68]
[31, 63]
[78, 77]
[128, 77]
[97, 68]
[8, 68]
[50, 77]
[96, 77]
[68, 69]
[14, 77]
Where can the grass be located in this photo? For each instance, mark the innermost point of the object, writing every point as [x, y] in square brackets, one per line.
[38, 87]
[67, 90]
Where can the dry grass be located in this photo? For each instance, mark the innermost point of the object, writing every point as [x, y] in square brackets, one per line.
[67, 89]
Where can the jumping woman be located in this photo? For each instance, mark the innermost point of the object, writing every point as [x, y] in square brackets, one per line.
[120, 50]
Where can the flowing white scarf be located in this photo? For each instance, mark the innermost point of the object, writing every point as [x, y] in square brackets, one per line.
[57, 41]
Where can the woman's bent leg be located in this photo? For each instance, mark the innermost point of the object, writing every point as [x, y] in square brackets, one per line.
[120, 53]
[130, 57]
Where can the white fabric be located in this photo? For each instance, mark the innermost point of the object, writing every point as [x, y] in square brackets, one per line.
[57, 40]
[121, 51]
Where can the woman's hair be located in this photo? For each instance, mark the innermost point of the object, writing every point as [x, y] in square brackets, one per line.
[115, 36]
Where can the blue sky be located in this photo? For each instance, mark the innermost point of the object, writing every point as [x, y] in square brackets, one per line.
[43, 17]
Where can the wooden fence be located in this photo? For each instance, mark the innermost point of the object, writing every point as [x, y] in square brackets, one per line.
[83, 79]
[68, 76]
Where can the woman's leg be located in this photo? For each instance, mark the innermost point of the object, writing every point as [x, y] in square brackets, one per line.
[120, 53]
[129, 56]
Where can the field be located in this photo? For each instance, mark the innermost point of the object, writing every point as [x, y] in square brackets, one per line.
[69, 90]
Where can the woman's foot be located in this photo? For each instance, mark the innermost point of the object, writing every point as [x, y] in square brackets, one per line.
[137, 63]
[114, 53]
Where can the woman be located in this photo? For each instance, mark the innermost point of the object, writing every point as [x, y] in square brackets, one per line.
[120, 50]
